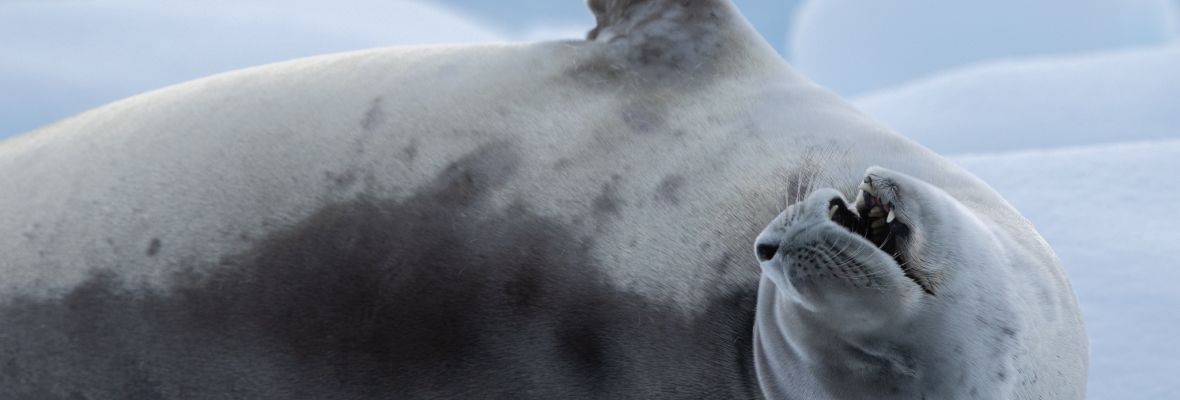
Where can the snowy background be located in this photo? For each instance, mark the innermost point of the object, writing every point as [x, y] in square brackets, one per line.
[1070, 108]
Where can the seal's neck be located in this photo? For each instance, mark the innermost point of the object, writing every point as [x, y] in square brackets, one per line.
[780, 365]
[799, 357]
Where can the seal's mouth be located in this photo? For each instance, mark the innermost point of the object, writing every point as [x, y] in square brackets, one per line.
[875, 219]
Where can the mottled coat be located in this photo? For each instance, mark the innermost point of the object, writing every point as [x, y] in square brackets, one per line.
[552, 220]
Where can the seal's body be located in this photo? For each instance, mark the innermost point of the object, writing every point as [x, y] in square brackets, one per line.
[552, 220]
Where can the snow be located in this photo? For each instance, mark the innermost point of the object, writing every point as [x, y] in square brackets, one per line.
[1038, 103]
[854, 46]
[79, 55]
[1108, 213]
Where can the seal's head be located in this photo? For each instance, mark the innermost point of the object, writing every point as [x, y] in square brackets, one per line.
[865, 258]
[868, 297]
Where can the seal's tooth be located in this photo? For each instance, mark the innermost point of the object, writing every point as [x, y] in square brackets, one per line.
[890, 217]
[832, 211]
[868, 188]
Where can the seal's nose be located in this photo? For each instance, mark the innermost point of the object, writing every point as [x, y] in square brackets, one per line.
[817, 208]
[766, 251]
[769, 242]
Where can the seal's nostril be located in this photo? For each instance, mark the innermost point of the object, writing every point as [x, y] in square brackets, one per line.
[766, 251]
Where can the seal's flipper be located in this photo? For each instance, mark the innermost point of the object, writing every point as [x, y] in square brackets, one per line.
[676, 34]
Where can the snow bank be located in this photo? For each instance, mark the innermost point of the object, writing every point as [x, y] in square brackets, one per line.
[1109, 214]
[1039, 103]
[853, 46]
[66, 57]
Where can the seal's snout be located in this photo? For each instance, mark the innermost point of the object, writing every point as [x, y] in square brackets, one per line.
[827, 243]
[812, 211]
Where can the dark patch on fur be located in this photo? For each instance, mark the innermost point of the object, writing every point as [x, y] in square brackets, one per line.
[375, 116]
[598, 73]
[725, 263]
[9, 370]
[562, 164]
[410, 152]
[154, 247]
[341, 180]
[438, 295]
[669, 189]
[641, 119]
[609, 201]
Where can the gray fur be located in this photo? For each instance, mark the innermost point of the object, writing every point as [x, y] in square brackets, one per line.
[550, 220]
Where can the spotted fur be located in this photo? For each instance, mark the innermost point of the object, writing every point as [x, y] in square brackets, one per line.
[549, 220]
